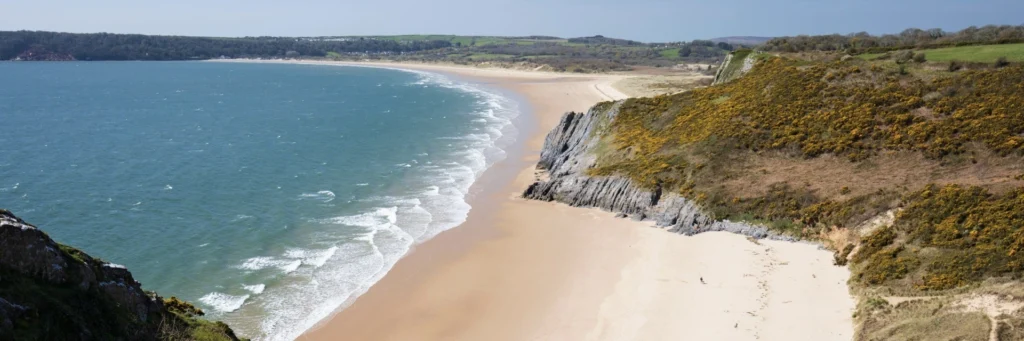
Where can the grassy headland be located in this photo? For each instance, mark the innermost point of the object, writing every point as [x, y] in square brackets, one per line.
[910, 169]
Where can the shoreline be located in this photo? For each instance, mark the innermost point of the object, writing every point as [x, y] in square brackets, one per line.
[518, 269]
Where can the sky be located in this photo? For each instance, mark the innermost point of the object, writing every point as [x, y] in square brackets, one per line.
[643, 20]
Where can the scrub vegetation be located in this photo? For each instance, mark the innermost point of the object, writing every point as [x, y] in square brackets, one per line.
[824, 147]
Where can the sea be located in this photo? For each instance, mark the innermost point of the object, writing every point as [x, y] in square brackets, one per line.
[270, 195]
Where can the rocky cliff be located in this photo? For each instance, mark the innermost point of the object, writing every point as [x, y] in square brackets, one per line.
[50, 291]
[569, 151]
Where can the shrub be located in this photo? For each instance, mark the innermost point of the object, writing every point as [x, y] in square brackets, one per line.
[955, 66]
[902, 57]
[885, 265]
[840, 256]
[964, 235]
[919, 58]
[1001, 62]
[178, 306]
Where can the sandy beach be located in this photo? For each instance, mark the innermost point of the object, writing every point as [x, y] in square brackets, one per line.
[527, 270]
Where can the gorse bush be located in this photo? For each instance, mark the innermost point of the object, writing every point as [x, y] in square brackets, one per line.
[838, 108]
[959, 235]
[903, 57]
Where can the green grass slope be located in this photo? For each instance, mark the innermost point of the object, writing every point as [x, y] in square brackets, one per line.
[977, 53]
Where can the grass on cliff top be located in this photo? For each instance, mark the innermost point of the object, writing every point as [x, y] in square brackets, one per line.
[976, 53]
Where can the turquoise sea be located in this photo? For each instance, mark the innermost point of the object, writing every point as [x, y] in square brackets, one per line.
[269, 194]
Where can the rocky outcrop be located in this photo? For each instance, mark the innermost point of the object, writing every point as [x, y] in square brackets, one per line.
[568, 153]
[50, 291]
[736, 64]
[719, 79]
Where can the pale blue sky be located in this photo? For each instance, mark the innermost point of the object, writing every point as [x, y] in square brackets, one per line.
[645, 20]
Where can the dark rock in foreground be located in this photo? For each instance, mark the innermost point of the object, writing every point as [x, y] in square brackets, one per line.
[50, 291]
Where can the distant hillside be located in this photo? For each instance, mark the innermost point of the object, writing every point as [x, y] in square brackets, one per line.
[598, 39]
[742, 40]
[907, 39]
[38, 45]
[537, 52]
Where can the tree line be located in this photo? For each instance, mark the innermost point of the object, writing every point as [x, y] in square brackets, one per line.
[910, 38]
[109, 46]
[704, 49]
[602, 40]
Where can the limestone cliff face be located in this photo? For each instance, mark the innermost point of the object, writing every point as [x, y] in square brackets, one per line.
[568, 153]
[50, 291]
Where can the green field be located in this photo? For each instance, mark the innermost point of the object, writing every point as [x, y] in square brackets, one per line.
[669, 53]
[978, 53]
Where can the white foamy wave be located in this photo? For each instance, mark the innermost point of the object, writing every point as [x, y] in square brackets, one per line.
[316, 258]
[168, 187]
[363, 184]
[369, 219]
[260, 263]
[255, 289]
[432, 190]
[291, 266]
[223, 302]
[241, 217]
[325, 196]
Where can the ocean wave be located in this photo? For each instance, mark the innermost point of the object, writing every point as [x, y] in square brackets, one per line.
[255, 289]
[432, 190]
[316, 258]
[222, 302]
[379, 216]
[260, 263]
[325, 196]
[241, 217]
